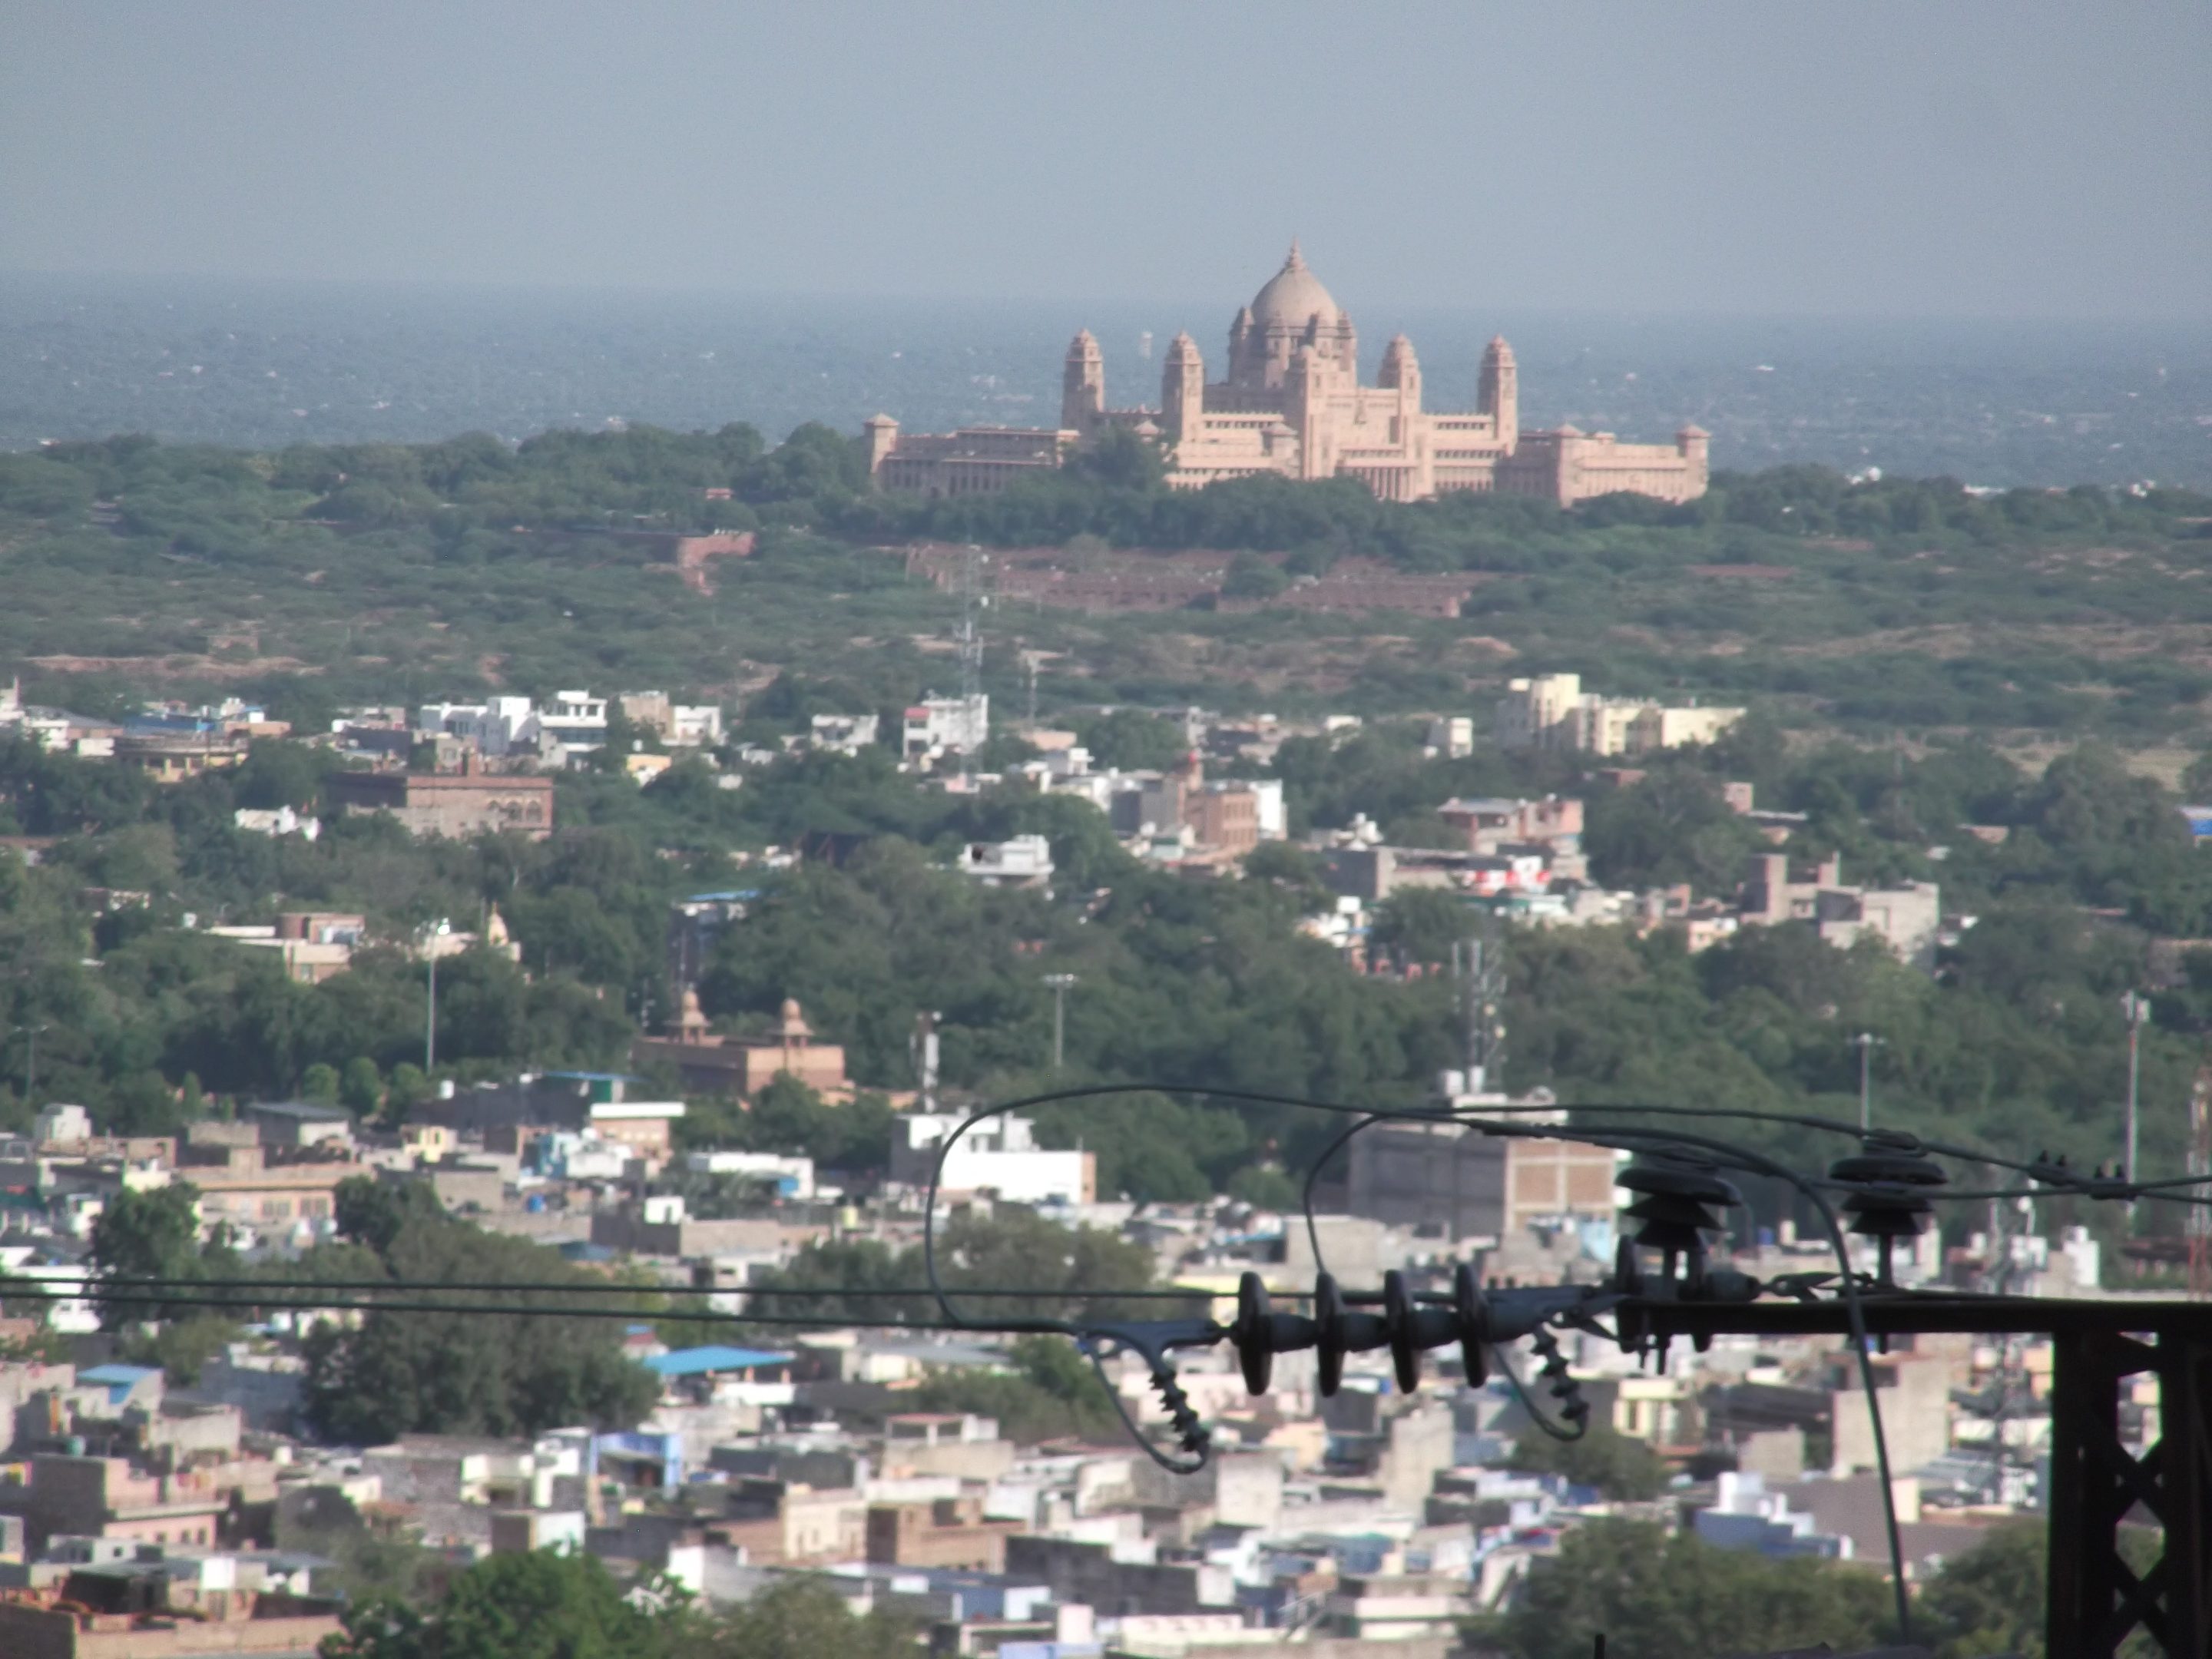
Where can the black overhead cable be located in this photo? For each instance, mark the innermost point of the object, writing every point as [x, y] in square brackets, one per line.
[111, 1288]
[123, 1293]
[1739, 1156]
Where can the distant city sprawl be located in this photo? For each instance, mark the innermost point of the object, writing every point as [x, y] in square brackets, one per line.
[500, 943]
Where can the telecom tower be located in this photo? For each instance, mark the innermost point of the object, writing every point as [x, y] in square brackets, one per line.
[1478, 969]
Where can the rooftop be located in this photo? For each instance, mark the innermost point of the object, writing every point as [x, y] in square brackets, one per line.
[305, 1111]
[700, 1361]
[129, 1376]
[118, 1380]
[1292, 295]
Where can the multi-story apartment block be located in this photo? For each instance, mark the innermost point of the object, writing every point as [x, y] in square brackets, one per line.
[1906, 918]
[940, 726]
[576, 722]
[1555, 823]
[494, 727]
[1553, 711]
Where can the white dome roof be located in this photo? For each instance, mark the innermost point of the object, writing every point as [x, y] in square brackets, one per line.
[1293, 297]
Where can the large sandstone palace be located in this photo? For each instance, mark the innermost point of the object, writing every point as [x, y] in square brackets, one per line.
[1291, 403]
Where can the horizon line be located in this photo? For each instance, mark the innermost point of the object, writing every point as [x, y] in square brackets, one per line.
[509, 287]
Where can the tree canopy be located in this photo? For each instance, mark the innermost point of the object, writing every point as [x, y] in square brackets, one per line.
[1656, 1596]
[551, 1606]
[495, 1372]
[1618, 1465]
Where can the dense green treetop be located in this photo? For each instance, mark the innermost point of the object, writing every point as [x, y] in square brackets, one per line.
[551, 1606]
[2018, 1039]
[536, 1606]
[382, 572]
[1656, 1596]
[495, 1372]
[1620, 1465]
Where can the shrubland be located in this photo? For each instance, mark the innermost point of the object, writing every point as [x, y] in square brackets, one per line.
[312, 576]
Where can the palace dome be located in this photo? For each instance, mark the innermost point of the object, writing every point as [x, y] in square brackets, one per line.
[1293, 296]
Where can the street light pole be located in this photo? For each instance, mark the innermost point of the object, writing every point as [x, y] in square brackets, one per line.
[2135, 1009]
[1866, 1044]
[432, 932]
[1058, 982]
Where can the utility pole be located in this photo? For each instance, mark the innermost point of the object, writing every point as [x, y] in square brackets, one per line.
[2135, 1009]
[1058, 982]
[1867, 1042]
[1030, 659]
[432, 932]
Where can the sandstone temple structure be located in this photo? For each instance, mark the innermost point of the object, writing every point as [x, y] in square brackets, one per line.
[1291, 403]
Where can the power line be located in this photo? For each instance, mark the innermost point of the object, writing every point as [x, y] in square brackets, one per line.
[118, 1288]
[538, 1310]
[1888, 1183]
[1742, 1157]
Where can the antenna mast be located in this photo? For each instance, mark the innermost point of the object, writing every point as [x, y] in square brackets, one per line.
[1030, 661]
[1482, 1011]
[970, 641]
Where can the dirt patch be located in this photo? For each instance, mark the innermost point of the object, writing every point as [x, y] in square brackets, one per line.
[2186, 642]
[180, 667]
[2167, 764]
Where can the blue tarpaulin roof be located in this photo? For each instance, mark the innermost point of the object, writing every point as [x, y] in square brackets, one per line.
[694, 1362]
[118, 1380]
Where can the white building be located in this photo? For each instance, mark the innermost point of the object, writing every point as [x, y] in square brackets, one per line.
[1745, 1515]
[999, 1155]
[62, 1124]
[1018, 862]
[276, 821]
[845, 734]
[494, 726]
[1452, 735]
[1553, 711]
[791, 1177]
[694, 725]
[55, 730]
[1267, 793]
[586, 1155]
[576, 722]
[941, 726]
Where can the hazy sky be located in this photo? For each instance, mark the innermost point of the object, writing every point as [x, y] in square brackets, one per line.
[1954, 157]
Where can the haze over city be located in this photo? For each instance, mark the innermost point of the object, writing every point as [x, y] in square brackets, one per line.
[1984, 158]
